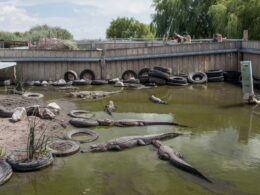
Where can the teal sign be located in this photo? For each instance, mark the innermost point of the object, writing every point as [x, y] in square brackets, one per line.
[247, 78]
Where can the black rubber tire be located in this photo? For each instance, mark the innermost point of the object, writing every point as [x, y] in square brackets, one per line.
[73, 148]
[144, 72]
[94, 135]
[132, 81]
[232, 76]
[59, 84]
[157, 81]
[181, 75]
[201, 75]
[113, 81]
[129, 73]
[87, 74]
[176, 84]
[214, 73]
[4, 113]
[38, 84]
[177, 79]
[30, 95]
[70, 76]
[81, 123]
[5, 172]
[162, 69]
[99, 82]
[216, 79]
[82, 82]
[76, 114]
[34, 165]
[159, 74]
[144, 79]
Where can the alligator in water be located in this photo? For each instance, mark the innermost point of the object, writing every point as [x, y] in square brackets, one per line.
[110, 107]
[129, 142]
[157, 100]
[92, 94]
[118, 123]
[168, 153]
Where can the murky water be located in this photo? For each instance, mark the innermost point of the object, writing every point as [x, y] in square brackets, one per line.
[225, 146]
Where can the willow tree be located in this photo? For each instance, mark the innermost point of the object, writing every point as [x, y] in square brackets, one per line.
[231, 17]
[182, 16]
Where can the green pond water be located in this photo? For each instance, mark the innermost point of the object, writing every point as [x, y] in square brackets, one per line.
[224, 146]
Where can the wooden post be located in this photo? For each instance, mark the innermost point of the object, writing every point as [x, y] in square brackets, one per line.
[245, 35]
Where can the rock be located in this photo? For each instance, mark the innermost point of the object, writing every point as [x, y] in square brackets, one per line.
[70, 83]
[119, 84]
[55, 108]
[61, 81]
[50, 82]
[47, 114]
[44, 83]
[19, 114]
[33, 110]
[37, 82]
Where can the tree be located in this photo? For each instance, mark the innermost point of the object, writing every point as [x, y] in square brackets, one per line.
[44, 31]
[182, 16]
[231, 17]
[128, 28]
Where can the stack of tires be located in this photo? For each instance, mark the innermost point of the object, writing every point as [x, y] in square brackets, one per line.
[215, 75]
[159, 75]
[177, 81]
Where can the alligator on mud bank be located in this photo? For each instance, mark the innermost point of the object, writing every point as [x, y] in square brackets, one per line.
[168, 153]
[121, 143]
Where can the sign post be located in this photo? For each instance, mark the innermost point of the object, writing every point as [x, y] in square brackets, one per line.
[247, 80]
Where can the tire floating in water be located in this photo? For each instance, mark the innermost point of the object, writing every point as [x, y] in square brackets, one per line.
[197, 78]
[62, 148]
[94, 135]
[79, 113]
[30, 95]
[5, 172]
[24, 166]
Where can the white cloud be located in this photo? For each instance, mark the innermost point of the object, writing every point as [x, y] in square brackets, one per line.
[91, 19]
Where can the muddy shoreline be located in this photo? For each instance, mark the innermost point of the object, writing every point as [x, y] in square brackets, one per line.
[13, 136]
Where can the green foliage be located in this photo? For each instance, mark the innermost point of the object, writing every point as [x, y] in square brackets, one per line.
[35, 146]
[71, 45]
[37, 33]
[128, 28]
[44, 31]
[182, 16]
[2, 151]
[203, 18]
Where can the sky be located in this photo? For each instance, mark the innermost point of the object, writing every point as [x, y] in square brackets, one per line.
[85, 19]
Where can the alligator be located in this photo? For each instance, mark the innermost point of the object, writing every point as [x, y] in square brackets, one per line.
[122, 143]
[110, 107]
[168, 153]
[157, 100]
[118, 123]
[92, 94]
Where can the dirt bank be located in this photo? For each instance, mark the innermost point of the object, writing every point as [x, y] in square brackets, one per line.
[13, 136]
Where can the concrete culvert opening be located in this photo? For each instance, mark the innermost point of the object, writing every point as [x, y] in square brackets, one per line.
[129, 74]
[70, 76]
[87, 75]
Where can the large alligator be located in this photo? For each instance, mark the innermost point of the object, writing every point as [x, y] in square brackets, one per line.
[92, 94]
[118, 123]
[129, 142]
[168, 153]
